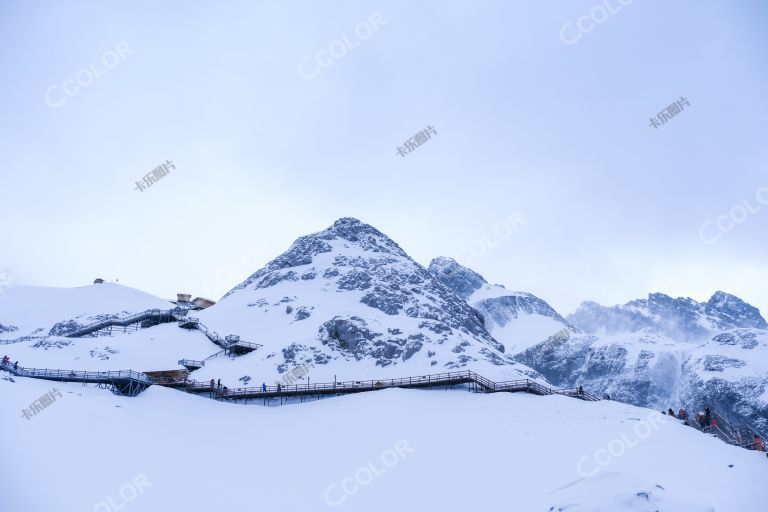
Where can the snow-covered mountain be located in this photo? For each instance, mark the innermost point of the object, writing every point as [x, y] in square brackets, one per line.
[683, 319]
[351, 303]
[656, 352]
[516, 319]
[663, 352]
[349, 294]
[348, 302]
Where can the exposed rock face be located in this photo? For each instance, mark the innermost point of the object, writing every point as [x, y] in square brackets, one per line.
[662, 352]
[516, 319]
[8, 328]
[40, 311]
[458, 278]
[502, 310]
[69, 326]
[730, 371]
[350, 293]
[730, 312]
[636, 371]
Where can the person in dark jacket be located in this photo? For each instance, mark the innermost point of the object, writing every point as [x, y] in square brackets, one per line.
[218, 383]
[213, 383]
[707, 416]
[581, 390]
[671, 412]
[263, 387]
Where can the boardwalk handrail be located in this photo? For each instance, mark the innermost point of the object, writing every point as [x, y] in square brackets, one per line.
[191, 362]
[447, 378]
[741, 435]
[247, 344]
[77, 375]
[216, 354]
[170, 315]
[226, 342]
[429, 380]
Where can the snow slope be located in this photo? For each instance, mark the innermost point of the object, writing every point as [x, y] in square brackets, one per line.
[36, 310]
[391, 450]
[156, 348]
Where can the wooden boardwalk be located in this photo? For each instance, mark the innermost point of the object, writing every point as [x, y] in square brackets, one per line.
[146, 318]
[232, 343]
[131, 383]
[122, 382]
[473, 381]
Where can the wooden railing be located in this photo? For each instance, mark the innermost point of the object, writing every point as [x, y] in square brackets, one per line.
[191, 362]
[429, 380]
[448, 378]
[161, 316]
[723, 429]
[77, 376]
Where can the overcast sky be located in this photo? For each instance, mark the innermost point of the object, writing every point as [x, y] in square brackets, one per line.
[544, 174]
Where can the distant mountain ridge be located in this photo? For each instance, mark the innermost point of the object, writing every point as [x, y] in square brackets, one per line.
[661, 352]
[680, 318]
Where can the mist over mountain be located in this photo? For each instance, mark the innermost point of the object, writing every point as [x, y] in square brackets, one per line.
[680, 318]
[663, 352]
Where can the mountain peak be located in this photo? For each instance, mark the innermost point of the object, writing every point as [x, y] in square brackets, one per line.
[367, 237]
[462, 280]
[721, 296]
[729, 311]
[350, 226]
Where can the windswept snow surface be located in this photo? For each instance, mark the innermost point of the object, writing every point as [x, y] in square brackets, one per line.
[393, 450]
